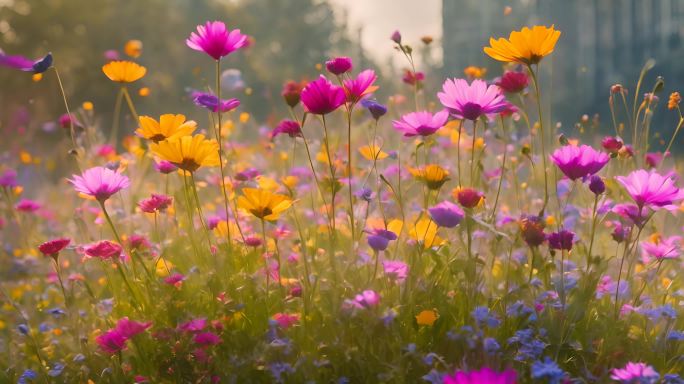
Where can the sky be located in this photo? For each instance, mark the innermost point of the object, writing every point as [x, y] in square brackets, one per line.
[379, 18]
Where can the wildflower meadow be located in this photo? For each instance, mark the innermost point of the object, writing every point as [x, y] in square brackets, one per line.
[451, 235]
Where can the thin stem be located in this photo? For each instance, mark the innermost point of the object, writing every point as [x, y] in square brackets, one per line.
[349, 175]
[129, 101]
[593, 231]
[674, 135]
[503, 168]
[533, 75]
[117, 115]
[66, 105]
[219, 138]
[472, 155]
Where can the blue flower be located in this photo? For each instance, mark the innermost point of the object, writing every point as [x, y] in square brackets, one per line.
[433, 377]
[56, 370]
[519, 309]
[549, 370]
[278, 369]
[529, 347]
[491, 346]
[27, 376]
[56, 312]
[672, 378]
[675, 336]
[376, 109]
[44, 327]
[483, 317]
[23, 328]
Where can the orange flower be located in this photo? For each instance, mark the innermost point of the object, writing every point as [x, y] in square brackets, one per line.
[124, 71]
[527, 46]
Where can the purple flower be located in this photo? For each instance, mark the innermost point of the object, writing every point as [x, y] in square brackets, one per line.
[396, 37]
[207, 338]
[289, 127]
[576, 162]
[25, 64]
[27, 205]
[596, 185]
[103, 249]
[421, 123]
[214, 39]
[561, 240]
[379, 238]
[651, 189]
[211, 102]
[100, 183]
[361, 86]
[366, 299]
[321, 97]
[635, 373]
[339, 65]
[194, 325]
[485, 375]
[376, 109]
[632, 213]
[471, 101]
[661, 249]
[446, 214]
[8, 179]
[653, 159]
[395, 270]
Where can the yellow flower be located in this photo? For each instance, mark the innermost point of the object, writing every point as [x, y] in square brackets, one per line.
[527, 46]
[425, 232]
[188, 152]
[163, 267]
[87, 106]
[124, 71]
[372, 152]
[37, 77]
[290, 181]
[427, 317]
[674, 100]
[263, 204]
[432, 175]
[475, 72]
[169, 126]
[144, 92]
[221, 230]
[133, 48]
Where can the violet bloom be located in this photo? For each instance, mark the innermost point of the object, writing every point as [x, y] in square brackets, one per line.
[288, 127]
[446, 214]
[379, 238]
[361, 86]
[396, 270]
[596, 185]
[339, 65]
[100, 183]
[577, 162]
[25, 64]
[662, 249]
[421, 123]
[485, 375]
[396, 37]
[214, 39]
[561, 240]
[8, 179]
[612, 144]
[633, 213]
[471, 101]
[513, 81]
[104, 250]
[111, 341]
[321, 97]
[651, 189]
[635, 373]
[212, 103]
[376, 109]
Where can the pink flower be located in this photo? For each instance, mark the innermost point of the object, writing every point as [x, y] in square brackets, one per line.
[321, 97]
[632, 213]
[174, 279]
[8, 179]
[207, 338]
[651, 189]
[286, 320]
[104, 250]
[111, 341]
[289, 127]
[612, 144]
[485, 375]
[513, 82]
[471, 101]
[339, 65]
[367, 299]
[360, 87]
[412, 79]
[129, 328]
[194, 325]
[155, 203]
[663, 249]
[446, 214]
[395, 270]
[634, 372]
[53, 247]
[164, 167]
[421, 123]
[214, 39]
[26, 205]
[100, 183]
[576, 162]
[212, 102]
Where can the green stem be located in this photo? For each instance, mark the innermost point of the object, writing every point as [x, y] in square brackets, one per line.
[535, 81]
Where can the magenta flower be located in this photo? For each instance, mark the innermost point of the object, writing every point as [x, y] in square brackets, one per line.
[206, 339]
[513, 81]
[288, 127]
[129, 328]
[155, 203]
[632, 213]
[361, 86]
[100, 183]
[339, 65]
[421, 123]
[612, 144]
[396, 270]
[194, 325]
[104, 250]
[485, 375]
[27, 205]
[446, 214]
[111, 341]
[214, 39]
[576, 162]
[635, 372]
[321, 97]
[286, 320]
[651, 189]
[53, 247]
[669, 248]
[471, 101]
[366, 299]
[212, 102]
[164, 167]
[25, 64]
[561, 240]
[8, 179]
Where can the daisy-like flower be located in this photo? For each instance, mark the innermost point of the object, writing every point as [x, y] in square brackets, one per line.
[471, 101]
[421, 123]
[263, 204]
[188, 152]
[52, 248]
[155, 203]
[361, 86]
[339, 65]
[651, 189]
[577, 162]
[432, 175]
[100, 183]
[527, 46]
[124, 71]
[635, 373]
[111, 342]
[25, 64]
[168, 126]
[485, 375]
[217, 41]
[288, 127]
[660, 249]
[321, 97]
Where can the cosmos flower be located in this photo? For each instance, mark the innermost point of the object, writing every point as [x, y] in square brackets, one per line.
[360, 86]
[27, 205]
[286, 320]
[421, 123]
[527, 46]
[576, 162]
[446, 214]
[660, 249]
[155, 203]
[366, 299]
[635, 373]
[211, 102]
[104, 250]
[471, 101]
[632, 213]
[412, 78]
[651, 189]
[124, 71]
[263, 204]
[612, 144]
[485, 375]
[53, 247]
[129, 328]
[25, 64]
[288, 127]
[188, 152]
[339, 65]
[513, 81]
[321, 97]
[217, 41]
[111, 342]
[169, 126]
[100, 183]
[379, 238]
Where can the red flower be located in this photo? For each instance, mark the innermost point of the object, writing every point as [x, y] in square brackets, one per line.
[53, 247]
